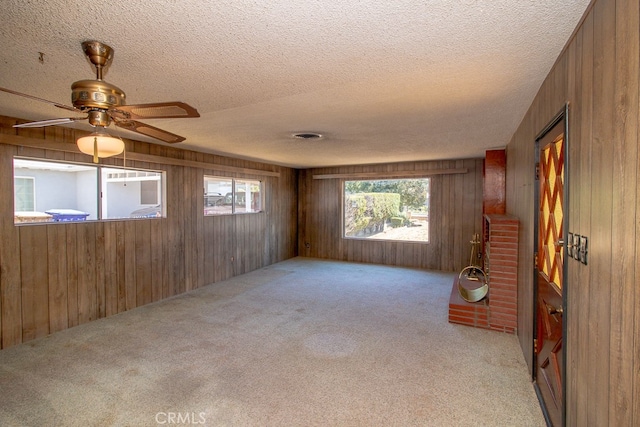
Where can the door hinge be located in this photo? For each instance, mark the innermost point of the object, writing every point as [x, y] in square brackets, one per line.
[537, 171]
[535, 345]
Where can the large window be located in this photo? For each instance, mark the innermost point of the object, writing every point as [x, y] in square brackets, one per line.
[47, 191]
[226, 196]
[390, 209]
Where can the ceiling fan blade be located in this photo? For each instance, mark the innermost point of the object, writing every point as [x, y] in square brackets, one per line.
[51, 122]
[35, 98]
[148, 130]
[159, 110]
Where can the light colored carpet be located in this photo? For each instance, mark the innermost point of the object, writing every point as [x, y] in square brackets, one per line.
[304, 342]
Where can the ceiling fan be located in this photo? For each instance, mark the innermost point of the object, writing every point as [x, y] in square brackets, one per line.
[103, 103]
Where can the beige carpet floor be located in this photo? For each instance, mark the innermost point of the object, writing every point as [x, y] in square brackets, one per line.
[304, 342]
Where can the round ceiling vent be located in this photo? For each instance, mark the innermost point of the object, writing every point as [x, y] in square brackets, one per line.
[307, 135]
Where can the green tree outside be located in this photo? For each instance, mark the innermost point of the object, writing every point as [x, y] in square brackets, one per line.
[413, 192]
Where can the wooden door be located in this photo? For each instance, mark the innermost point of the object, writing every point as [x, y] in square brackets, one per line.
[548, 347]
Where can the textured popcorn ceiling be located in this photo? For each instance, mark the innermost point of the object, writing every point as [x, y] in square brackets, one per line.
[382, 81]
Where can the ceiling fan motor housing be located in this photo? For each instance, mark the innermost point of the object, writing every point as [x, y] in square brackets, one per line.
[99, 118]
[87, 94]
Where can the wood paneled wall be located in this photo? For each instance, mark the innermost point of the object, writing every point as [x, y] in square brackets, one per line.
[456, 214]
[60, 275]
[598, 76]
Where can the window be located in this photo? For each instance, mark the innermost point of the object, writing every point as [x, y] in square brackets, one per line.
[227, 196]
[148, 192]
[247, 196]
[47, 191]
[24, 193]
[390, 209]
[131, 193]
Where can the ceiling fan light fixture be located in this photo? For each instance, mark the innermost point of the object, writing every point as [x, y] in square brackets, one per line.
[100, 145]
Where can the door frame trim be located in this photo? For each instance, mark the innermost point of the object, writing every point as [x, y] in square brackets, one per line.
[563, 114]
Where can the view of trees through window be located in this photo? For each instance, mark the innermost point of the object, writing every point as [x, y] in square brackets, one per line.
[389, 209]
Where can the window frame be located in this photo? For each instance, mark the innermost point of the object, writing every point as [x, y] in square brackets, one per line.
[343, 199]
[208, 212]
[127, 171]
[98, 191]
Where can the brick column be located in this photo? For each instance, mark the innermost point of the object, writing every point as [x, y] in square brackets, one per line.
[501, 265]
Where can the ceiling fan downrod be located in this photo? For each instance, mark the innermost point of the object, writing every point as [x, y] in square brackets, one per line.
[99, 54]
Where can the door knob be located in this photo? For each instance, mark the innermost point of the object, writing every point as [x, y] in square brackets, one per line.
[553, 310]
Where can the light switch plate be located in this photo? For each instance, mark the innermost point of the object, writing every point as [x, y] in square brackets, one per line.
[570, 246]
[576, 247]
[583, 249]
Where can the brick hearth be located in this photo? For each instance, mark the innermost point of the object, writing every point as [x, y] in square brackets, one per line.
[499, 310]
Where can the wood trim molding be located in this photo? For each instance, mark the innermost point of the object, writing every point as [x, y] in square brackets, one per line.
[395, 174]
[202, 165]
[72, 148]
